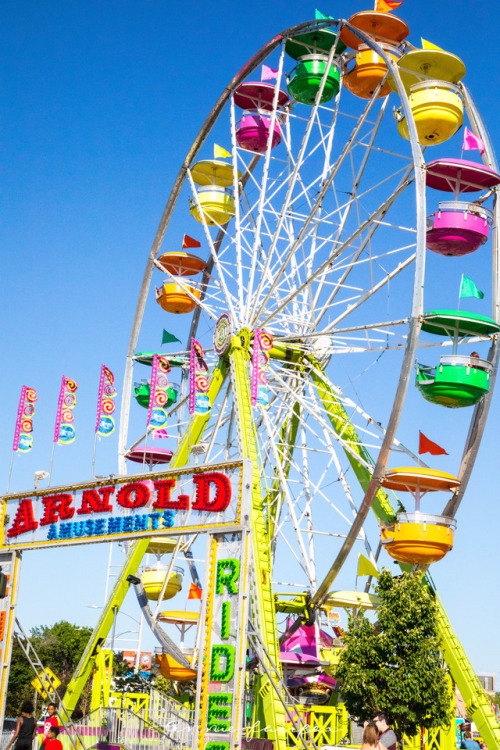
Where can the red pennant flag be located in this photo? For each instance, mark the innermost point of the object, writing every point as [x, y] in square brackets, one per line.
[194, 592]
[427, 446]
[189, 242]
[387, 6]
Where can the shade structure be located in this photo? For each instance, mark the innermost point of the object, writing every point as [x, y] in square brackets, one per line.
[422, 65]
[382, 27]
[414, 478]
[258, 95]
[458, 322]
[319, 41]
[151, 456]
[180, 263]
[460, 175]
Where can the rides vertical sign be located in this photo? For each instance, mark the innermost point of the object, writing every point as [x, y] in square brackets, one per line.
[221, 675]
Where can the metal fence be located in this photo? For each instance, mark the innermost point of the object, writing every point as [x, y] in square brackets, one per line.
[116, 727]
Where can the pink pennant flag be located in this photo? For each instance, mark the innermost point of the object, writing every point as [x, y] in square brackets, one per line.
[160, 434]
[472, 142]
[268, 73]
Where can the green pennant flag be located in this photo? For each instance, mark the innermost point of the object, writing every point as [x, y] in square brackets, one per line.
[469, 289]
[169, 338]
[319, 16]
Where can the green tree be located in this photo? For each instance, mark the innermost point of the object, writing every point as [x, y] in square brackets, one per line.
[59, 647]
[127, 680]
[394, 665]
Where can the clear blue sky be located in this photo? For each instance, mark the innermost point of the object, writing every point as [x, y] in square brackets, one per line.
[102, 99]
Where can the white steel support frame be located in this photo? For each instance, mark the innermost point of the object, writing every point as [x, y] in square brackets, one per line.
[298, 259]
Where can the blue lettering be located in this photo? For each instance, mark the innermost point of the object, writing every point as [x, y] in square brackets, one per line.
[155, 517]
[66, 531]
[79, 529]
[114, 525]
[89, 527]
[168, 517]
[100, 526]
[141, 523]
[52, 532]
[128, 523]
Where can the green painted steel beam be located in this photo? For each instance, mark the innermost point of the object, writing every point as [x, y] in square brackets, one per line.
[342, 425]
[268, 707]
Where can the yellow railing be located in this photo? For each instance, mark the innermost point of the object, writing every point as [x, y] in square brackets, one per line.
[325, 725]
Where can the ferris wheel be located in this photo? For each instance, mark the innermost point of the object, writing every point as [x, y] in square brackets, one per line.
[307, 192]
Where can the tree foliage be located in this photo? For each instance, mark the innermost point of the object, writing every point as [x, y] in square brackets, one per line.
[395, 665]
[59, 647]
[127, 680]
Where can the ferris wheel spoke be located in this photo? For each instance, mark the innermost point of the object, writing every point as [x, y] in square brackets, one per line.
[333, 255]
[317, 204]
[286, 493]
[291, 185]
[307, 407]
[342, 479]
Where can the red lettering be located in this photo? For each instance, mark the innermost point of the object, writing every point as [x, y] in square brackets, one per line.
[92, 502]
[222, 491]
[24, 519]
[57, 507]
[133, 495]
[163, 490]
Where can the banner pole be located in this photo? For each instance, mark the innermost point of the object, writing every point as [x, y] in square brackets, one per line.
[93, 456]
[10, 472]
[51, 462]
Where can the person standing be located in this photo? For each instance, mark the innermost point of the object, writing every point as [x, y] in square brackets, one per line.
[387, 736]
[468, 743]
[370, 737]
[25, 731]
[52, 742]
[51, 720]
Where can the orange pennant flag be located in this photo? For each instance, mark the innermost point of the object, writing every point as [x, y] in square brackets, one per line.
[387, 6]
[189, 242]
[194, 592]
[427, 446]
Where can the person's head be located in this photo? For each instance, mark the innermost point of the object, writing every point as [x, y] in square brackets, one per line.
[467, 735]
[53, 733]
[370, 733]
[474, 354]
[27, 707]
[380, 721]
[51, 709]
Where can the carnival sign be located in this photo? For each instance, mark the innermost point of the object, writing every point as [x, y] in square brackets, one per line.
[179, 501]
[221, 671]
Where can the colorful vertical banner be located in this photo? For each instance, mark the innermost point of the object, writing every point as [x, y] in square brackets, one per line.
[199, 402]
[64, 431]
[23, 438]
[158, 395]
[105, 423]
[262, 343]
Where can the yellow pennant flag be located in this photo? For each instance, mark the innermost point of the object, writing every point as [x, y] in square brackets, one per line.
[220, 153]
[430, 45]
[366, 567]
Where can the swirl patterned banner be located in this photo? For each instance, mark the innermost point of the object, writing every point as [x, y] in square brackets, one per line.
[23, 438]
[105, 423]
[64, 431]
[199, 403]
[158, 396]
[262, 343]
